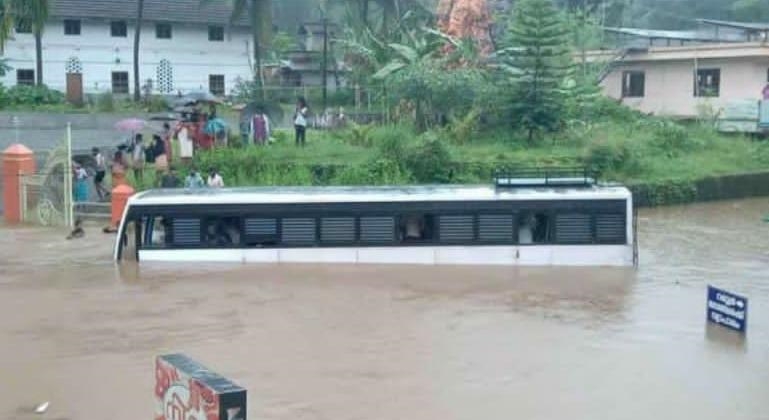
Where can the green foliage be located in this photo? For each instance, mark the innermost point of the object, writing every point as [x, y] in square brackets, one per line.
[156, 104]
[105, 102]
[377, 171]
[463, 129]
[4, 66]
[282, 43]
[30, 95]
[611, 156]
[430, 161]
[359, 134]
[537, 46]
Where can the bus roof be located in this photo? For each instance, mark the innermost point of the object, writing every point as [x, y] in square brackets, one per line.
[307, 195]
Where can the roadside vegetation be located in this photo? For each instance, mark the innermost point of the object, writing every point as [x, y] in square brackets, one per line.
[451, 112]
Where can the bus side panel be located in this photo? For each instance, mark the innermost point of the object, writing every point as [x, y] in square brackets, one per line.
[476, 255]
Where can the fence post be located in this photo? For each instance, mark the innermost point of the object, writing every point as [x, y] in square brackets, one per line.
[120, 196]
[18, 161]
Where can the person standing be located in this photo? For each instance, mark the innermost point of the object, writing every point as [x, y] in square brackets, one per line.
[118, 169]
[186, 147]
[260, 127]
[193, 180]
[214, 179]
[169, 179]
[101, 172]
[300, 121]
[81, 185]
[166, 135]
[137, 155]
[161, 158]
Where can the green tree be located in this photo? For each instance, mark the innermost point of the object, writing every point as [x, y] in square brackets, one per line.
[538, 47]
[6, 22]
[29, 13]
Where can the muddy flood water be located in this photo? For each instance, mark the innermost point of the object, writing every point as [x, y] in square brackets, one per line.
[386, 343]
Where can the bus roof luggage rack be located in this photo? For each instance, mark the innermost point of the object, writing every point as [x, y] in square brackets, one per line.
[545, 177]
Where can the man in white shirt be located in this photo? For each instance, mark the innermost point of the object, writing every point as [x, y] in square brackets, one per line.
[214, 179]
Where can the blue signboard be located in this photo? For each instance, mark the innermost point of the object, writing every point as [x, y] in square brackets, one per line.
[727, 309]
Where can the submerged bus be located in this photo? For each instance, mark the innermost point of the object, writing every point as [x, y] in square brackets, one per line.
[538, 220]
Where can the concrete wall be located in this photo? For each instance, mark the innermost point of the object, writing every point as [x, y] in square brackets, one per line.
[670, 84]
[192, 56]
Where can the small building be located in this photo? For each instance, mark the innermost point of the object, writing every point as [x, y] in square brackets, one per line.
[684, 81]
[304, 67]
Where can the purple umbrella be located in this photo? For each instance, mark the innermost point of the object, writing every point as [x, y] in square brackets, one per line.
[131, 125]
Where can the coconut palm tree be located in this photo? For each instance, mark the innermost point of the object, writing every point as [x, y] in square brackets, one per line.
[6, 22]
[137, 39]
[37, 14]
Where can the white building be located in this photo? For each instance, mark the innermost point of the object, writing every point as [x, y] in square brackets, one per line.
[184, 47]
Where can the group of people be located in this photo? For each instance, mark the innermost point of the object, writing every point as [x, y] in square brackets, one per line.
[194, 180]
[259, 125]
[136, 155]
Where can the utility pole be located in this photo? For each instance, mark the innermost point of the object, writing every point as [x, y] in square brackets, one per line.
[324, 70]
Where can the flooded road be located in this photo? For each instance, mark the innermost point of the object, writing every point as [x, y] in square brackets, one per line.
[417, 343]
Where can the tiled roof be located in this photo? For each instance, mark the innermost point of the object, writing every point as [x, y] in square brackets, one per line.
[185, 11]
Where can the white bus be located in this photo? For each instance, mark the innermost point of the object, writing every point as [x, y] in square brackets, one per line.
[534, 221]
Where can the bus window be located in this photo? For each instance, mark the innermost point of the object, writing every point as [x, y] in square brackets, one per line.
[542, 228]
[533, 228]
[416, 228]
[157, 232]
[222, 232]
[260, 232]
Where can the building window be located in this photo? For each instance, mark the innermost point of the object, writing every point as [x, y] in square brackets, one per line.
[707, 83]
[216, 33]
[633, 84]
[216, 84]
[165, 76]
[23, 27]
[25, 77]
[119, 82]
[119, 29]
[163, 31]
[71, 27]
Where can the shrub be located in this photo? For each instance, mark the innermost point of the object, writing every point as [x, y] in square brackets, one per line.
[607, 156]
[359, 135]
[32, 95]
[105, 102]
[157, 103]
[430, 161]
[377, 171]
[281, 136]
[461, 130]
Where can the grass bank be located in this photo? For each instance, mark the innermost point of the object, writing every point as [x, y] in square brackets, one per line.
[663, 160]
